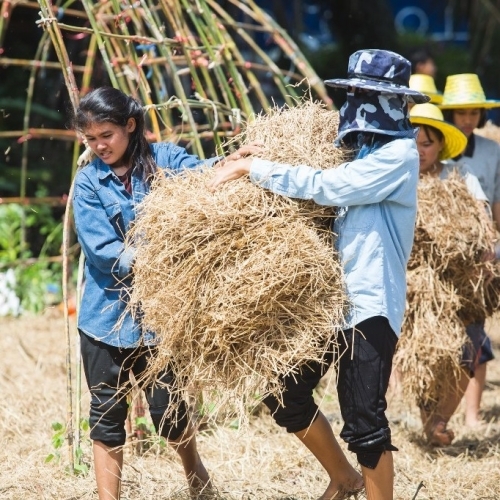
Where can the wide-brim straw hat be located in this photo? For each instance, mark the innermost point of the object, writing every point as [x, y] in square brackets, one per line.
[380, 70]
[455, 140]
[465, 91]
[425, 84]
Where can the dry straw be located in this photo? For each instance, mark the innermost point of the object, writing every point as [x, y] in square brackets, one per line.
[490, 131]
[241, 285]
[450, 283]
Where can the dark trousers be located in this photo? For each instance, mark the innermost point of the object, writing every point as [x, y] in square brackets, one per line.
[107, 370]
[364, 361]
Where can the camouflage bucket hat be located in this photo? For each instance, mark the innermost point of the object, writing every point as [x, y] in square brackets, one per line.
[380, 70]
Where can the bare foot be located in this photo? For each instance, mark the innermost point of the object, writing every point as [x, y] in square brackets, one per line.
[344, 491]
[439, 435]
[200, 486]
[475, 424]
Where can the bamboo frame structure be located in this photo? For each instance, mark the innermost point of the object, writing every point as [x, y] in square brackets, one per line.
[197, 67]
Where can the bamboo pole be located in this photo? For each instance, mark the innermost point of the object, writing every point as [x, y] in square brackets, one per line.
[49, 23]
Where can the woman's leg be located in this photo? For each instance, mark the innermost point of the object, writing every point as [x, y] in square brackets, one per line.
[107, 377]
[169, 414]
[473, 396]
[435, 423]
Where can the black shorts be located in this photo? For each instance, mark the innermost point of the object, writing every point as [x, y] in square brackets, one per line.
[479, 350]
[107, 370]
[364, 369]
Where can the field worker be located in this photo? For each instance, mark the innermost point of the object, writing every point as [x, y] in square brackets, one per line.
[465, 105]
[437, 142]
[377, 198]
[422, 62]
[426, 85]
[107, 191]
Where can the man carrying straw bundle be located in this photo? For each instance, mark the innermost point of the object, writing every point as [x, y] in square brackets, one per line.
[377, 196]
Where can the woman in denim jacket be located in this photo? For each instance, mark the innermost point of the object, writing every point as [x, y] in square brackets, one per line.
[377, 198]
[107, 192]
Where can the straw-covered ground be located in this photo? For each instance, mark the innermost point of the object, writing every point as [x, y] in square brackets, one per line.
[261, 462]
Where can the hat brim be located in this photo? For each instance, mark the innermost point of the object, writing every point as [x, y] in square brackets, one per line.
[483, 104]
[382, 87]
[455, 141]
[435, 98]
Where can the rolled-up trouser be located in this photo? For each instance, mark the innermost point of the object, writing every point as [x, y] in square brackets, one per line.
[107, 372]
[479, 350]
[364, 358]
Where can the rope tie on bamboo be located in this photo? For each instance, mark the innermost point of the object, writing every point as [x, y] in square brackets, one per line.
[235, 119]
[44, 21]
[214, 107]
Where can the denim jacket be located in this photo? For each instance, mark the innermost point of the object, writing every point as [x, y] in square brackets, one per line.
[377, 196]
[103, 211]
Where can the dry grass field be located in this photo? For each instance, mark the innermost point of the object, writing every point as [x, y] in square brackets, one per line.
[257, 462]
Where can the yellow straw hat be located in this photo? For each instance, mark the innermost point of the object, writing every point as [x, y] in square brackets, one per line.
[465, 91]
[429, 114]
[425, 84]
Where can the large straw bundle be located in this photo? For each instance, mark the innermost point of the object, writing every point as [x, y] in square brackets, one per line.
[430, 347]
[453, 236]
[302, 134]
[449, 283]
[490, 131]
[241, 285]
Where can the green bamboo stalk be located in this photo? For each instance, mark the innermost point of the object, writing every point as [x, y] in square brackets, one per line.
[34, 63]
[240, 61]
[58, 43]
[198, 149]
[275, 70]
[285, 42]
[49, 23]
[205, 90]
[100, 41]
[5, 15]
[89, 65]
[78, 357]
[218, 71]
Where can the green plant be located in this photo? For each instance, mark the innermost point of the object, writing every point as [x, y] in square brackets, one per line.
[36, 275]
[59, 436]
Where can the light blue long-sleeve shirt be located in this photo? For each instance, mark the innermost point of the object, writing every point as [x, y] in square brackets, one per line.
[375, 227]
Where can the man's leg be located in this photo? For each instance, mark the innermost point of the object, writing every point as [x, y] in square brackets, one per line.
[108, 463]
[364, 369]
[299, 414]
[196, 474]
[379, 482]
[320, 441]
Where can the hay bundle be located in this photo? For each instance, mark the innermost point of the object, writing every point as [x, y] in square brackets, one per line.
[300, 135]
[449, 283]
[490, 131]
[430, 347]
[240, 286]
[453, 235]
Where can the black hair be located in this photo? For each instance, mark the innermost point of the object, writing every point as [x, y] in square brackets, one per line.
[418, 56]
[428, 128]
[448, 116]
[107, 104]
